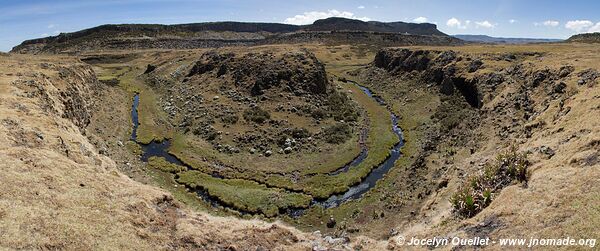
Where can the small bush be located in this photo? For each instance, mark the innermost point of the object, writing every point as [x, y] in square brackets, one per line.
[318, 113]
[337, 134]
[476, 194]
[341, 107]
[229, 118]
[257, 115]
[300, 133]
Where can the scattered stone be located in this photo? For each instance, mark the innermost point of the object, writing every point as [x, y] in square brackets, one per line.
[565, 71]
[331, 223]
[474, 65]
[150, 68]
[287, 150]
[547, 151]
[560, 87]
[268, 153]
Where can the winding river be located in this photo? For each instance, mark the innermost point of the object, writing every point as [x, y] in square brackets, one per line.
[160, 149]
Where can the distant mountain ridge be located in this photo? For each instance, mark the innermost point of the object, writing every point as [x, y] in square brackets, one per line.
[215, 34]
[585, 38]
[504, 40]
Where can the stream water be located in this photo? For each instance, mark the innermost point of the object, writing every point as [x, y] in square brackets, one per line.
[160, 149]
[356, 191]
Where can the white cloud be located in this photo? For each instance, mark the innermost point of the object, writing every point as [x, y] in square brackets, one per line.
[420, 20]
[455, 23]
[512, 21]
[50, 26]
[579, 25]
[484, 24]
[361, 7]
[595, 28]
[310, 17]
[44, 35]
[552, 23]
[56, 32]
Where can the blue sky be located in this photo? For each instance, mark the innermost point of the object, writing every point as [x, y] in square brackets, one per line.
[26, 19]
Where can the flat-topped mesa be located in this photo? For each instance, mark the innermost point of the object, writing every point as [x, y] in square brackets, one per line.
[344, 24]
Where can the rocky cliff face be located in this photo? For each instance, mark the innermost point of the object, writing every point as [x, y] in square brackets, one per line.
[70, 97]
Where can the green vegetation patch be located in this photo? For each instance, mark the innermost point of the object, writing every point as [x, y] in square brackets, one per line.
[341, 107]
[133, 147]
[477, 192]
[338, 133]
[257, 115]
[245, 195]
[162, 164]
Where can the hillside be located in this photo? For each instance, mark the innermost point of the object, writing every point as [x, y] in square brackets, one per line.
[218, 34]
[585, 38]
[476, 108]
[61, 192]
[503, 40]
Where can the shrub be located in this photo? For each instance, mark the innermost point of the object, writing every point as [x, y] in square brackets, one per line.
[229, 118]
[341, 107]
[300, 133]
[318, 113]
[476, 194]
[257, 115]
[337, 134]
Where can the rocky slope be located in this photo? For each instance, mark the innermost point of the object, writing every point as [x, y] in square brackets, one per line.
[484, 102]
[59, 192]
[218, 34]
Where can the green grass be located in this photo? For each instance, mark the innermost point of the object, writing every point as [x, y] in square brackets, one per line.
[162, 164]
[133, 147]
[244, 195]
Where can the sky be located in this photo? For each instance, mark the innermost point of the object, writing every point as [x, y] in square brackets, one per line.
[27, 19]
